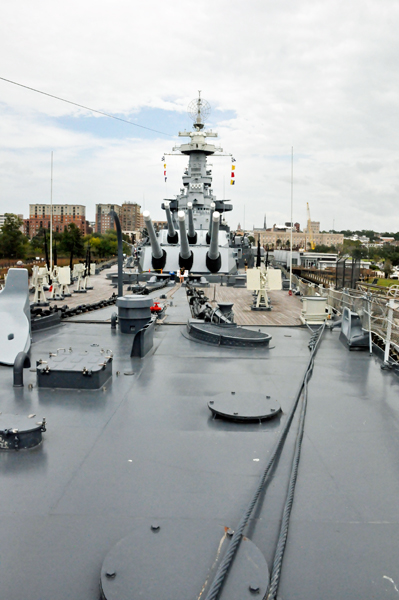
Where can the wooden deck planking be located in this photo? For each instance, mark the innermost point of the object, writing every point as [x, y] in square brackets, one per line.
[285, 312]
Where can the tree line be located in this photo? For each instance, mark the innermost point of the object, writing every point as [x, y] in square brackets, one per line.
[14, 244]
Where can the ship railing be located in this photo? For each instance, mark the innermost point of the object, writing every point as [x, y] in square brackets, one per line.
[378, 313]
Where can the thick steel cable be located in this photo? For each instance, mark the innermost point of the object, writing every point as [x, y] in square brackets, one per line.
[282, 539]
[224, 566]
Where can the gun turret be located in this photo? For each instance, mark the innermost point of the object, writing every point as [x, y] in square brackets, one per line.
[209, 234]
[158, 254]
[172, 238]
[213, 257]
[186, 257]
[192, 236]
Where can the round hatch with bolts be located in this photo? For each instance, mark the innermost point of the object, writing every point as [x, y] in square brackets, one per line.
[19, 432]
[179, 560]
[242, 406]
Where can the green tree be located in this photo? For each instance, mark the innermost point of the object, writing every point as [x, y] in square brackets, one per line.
[387, 268]
[325, 248]
[72, 241]
[37, 242]
[359, 252]
[106, 244]
[13, 243]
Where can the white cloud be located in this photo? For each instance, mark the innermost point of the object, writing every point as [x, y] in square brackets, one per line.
[319, 76]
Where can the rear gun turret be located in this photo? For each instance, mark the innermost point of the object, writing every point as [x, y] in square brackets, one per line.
[186, 257]
[158, 259]
[192, 236]
[213, 257]
[172, 238]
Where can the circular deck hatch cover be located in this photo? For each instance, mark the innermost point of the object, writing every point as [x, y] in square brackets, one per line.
[244, 407]
[179, 560]
[19, 432]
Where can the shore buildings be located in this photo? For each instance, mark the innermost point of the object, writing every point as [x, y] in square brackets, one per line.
[63, 215]
[129, 215]
[281, 236]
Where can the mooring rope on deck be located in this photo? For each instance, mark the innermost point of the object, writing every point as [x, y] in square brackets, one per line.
[224, 566]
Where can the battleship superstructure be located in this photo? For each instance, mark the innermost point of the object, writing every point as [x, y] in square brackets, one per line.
[197, 237]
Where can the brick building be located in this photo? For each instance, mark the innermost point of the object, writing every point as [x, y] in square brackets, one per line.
[104, 221]
[158, 225]
[130, 217]
[63, 215]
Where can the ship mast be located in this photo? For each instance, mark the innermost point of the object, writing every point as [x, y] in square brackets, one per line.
[197, 192]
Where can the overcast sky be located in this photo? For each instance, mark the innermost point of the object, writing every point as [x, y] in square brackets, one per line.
[321, 76]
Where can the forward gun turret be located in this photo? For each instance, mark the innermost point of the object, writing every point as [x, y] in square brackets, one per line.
[208, 235]
[213, 257]
[158, 255]
[186, 257]
[172, 238]
[192, 236]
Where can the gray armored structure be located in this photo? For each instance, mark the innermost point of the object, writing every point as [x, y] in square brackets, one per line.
[197, 238]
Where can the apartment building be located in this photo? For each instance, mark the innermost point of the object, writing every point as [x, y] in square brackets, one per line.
[104, 221]
[130, 217]
[63, 215]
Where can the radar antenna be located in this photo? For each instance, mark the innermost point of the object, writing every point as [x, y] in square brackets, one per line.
[199, 109]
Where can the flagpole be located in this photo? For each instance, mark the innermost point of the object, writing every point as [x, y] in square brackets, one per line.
[292, 196]
[51, 217]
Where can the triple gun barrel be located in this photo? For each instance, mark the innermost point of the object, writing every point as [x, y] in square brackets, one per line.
[186, 255]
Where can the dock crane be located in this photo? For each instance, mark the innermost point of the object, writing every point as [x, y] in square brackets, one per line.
[310, 232]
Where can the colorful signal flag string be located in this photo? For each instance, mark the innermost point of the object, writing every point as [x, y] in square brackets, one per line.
[233, 168]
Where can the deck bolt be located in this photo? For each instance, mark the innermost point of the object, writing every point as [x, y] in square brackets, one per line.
[155, 527]
[254, 588]
[230, 532]
[110, 574]
[211, 402]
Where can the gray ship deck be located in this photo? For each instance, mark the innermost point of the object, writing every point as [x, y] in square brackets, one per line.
[146, 449]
